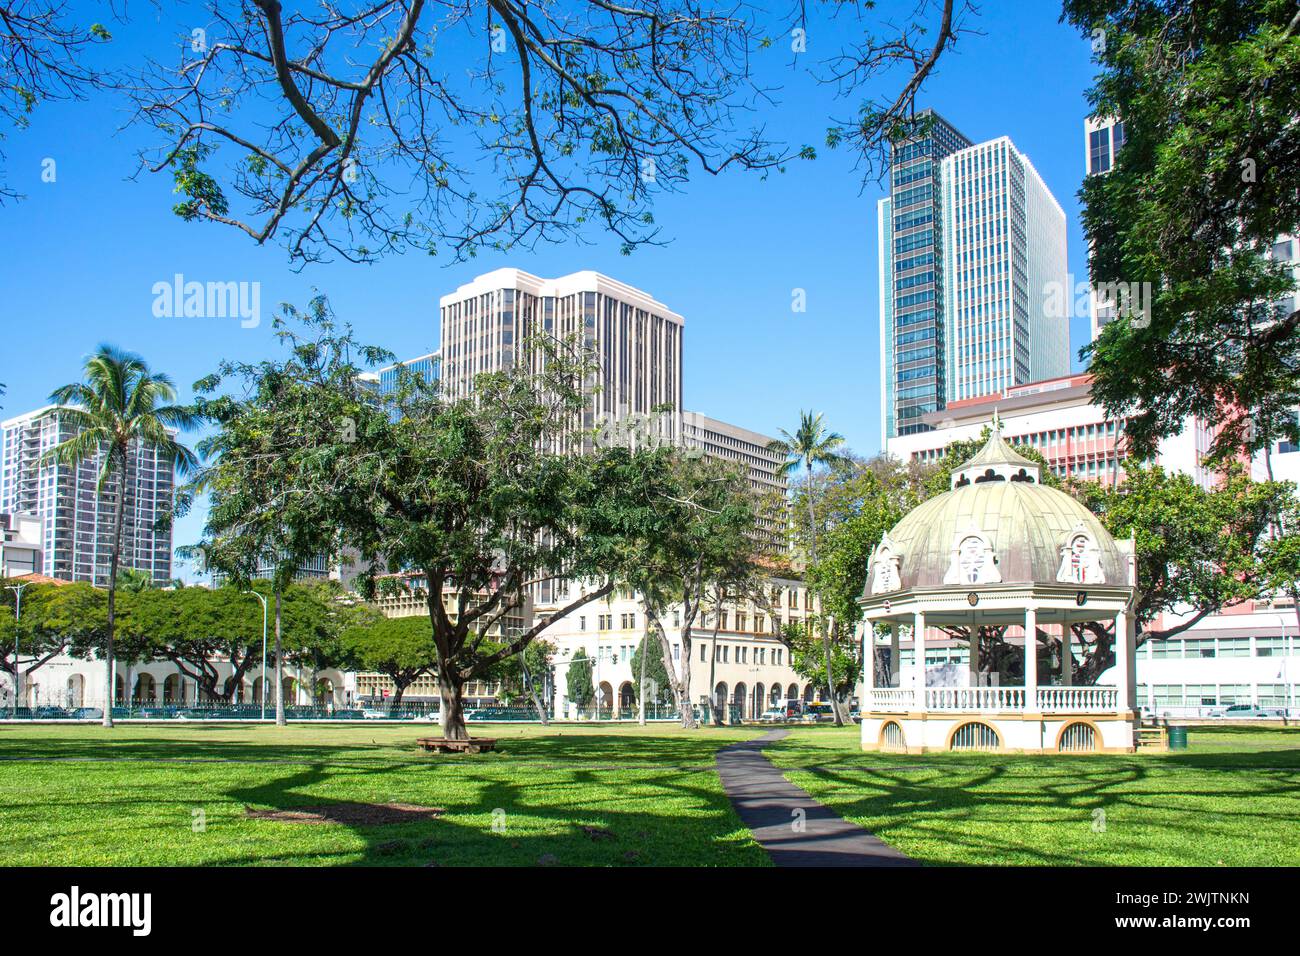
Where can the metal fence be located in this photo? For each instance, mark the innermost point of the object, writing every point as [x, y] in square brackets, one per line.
[427, 711]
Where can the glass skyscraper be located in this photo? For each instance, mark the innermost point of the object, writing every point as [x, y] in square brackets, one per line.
[970, 242]
[911, 284]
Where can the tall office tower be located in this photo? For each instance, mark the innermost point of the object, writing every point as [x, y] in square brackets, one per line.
[912, 380]
[638, 341]
[971, 241]
[1003, 259]
[77, 526]
[1102, 139]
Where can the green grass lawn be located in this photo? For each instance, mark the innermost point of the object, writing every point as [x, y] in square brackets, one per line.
[1233, 798]
[74, 795]
[82, 795]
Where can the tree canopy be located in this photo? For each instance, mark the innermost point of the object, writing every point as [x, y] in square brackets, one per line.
[401, 648]
[1203, 186]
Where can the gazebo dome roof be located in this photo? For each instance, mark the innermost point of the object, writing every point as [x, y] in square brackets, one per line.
[998, 525]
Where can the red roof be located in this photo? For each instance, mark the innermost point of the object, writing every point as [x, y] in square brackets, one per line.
[31, 577]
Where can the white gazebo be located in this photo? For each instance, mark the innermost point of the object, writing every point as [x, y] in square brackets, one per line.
[998, 550]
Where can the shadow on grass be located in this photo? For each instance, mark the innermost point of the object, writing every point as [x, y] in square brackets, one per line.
[566, 798]
[585, 817]
[952, 808]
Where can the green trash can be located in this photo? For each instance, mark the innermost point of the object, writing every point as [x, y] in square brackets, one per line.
[1177, 738]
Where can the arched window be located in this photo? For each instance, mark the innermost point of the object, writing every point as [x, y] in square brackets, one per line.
[975, 736]
[1078, 738]
[891, 736]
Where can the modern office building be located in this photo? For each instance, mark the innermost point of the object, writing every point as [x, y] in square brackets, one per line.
[425, 367]
[76, 518]
[1003, 255]
[637, 340]
[1058, 418]
[970, 242]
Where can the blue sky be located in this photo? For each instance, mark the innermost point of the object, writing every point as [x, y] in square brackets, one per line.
[81, 255]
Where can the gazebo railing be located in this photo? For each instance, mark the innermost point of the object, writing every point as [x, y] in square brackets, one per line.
[1078, 699]
[892, 698]
[975, 698]
[1049, 699]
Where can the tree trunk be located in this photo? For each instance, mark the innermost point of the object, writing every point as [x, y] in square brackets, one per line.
[451, 690]
[713, 673]
[540, 705]
[645, 653]
[279, 674]
[397, 697]
[826, 637]
[115, 557]
[679, 684]
[685, 707]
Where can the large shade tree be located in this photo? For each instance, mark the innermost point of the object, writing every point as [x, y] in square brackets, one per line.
[120, 405]
[702, 535]
[263, 521]
[1200, 550]
[1201, 190]
[412, 124]
[400, 648]
[485, 496]
[53, 619]
[212, 636]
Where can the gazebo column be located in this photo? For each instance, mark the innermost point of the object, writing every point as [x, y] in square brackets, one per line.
[918, 658]
[974, 655]
[1067, 656]
[1031, 659]
[893, 656]
[1123, 676]
[868, 661]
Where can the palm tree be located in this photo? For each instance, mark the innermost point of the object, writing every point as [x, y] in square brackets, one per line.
[812, 445]
[120, 402]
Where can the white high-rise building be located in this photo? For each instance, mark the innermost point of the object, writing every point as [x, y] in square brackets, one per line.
[76, 518]
[1003, 254]
[637, 340]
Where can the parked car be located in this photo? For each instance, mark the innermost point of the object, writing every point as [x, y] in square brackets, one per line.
[1248, 712]
[774, 715]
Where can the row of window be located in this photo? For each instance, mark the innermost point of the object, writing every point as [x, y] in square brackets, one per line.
[1192, 648]
[744, 654]
[1217, 695]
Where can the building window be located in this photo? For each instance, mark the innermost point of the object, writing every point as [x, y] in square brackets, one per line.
[1234, 647]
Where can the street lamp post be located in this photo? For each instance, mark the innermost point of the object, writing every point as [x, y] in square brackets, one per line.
[263, 600]
[18, 619]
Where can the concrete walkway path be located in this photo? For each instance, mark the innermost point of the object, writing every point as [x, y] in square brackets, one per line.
[767, 802]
